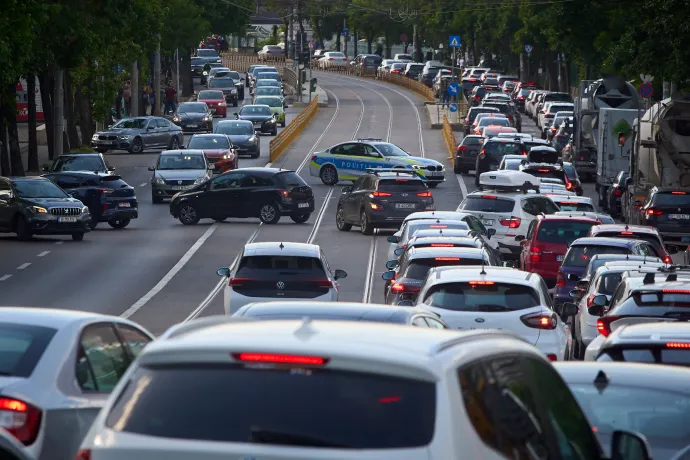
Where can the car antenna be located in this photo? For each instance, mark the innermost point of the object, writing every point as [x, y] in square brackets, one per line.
[601, 381]
[281, 246]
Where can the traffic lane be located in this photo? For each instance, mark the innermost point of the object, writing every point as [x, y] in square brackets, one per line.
[16, 254]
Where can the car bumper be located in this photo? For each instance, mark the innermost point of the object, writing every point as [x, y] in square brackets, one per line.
[247, 149]
[222, 166]
[51, 225]
[265, 128]
[220, 111]
[111, 145]
[586, 167]
[201, 127]
[119, 214]
[168, 191]
[233, 301]
[287, 209]
[466, 162]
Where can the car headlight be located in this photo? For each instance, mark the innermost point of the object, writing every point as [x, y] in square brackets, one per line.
[158, 181]
[84, 209]
[200, 180]
[233, 91]
[205, 73]
[253, 139]
[206, 118]
[176, 119]
[272, 120]
[125, 138]
[225, 157]
[94, 137]
[416, 167]
[39, 210]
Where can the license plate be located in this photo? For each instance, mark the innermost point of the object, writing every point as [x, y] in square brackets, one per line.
[559, 258]
[405, 205]
[488, 222]
[67, 220]
[124, 205]
[257, 125]
[435, 173]
[679, 216]
[192, 126]
[303, 205]
[181, 187]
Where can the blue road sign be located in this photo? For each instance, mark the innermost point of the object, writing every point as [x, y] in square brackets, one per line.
[453, 107]
[646, 90]
[528, 48]
[346, 32]
[454, 41]
[453, 89]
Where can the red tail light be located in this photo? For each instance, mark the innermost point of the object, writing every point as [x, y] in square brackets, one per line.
[331, 59]
[535, 254]
[489, 197]
[604, 324]
[678, 193]
[590, 299]
[397, 287]
[322, 283]
[654, 212]
[279, 359]
[569, 186]
[448, 259]
[677, 345]
[20, 419]
[476, 98]
[554, 129]
[667, 259]
[237, 281]
[442, 245]
[473, 80]
[480, 283]
[284, 193]
[617, 191]
[104, 191]
[462, 148]
[540, 321]
[512, 222]
[84, 454]
[560, 281]
[424, 194]
[381, 194]
[552, 357]
[522, 98]
[544, 170]
[482, 155]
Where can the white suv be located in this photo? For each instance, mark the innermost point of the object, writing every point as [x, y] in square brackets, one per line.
[506, 209]
[301, 390]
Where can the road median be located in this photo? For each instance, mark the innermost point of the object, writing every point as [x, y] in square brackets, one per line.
[449, 137]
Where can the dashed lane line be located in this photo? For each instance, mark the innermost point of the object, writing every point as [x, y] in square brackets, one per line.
[143, 185]
[59, 242]
[23, 266]
[5, 277]
[43, 254]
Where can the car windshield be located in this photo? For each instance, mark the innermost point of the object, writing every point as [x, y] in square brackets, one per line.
[485, 203]
[235, 128]
[208, 142]
[390, 150]
[269, 101]
[562, 231]
[255, 110]
[131, 123]
[21, 347]
[566, 205]
[228, 73]
[221, 83]
[268, 91]
[418, 268]
[206, 53]
[78, 163]
[481, 296]
[211, 95]
[38, 189]
[580, 255]
[192, 107]
[497, 150]
[671, 199]
[268, 76]
[268, 84]
[181, 161]
[512, 165]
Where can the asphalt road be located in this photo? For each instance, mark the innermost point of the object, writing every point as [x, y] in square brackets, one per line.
[158, 272]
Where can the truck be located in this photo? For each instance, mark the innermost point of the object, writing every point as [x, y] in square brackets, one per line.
[604, 112]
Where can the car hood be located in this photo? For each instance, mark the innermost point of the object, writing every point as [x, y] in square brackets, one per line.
[191, 116]
[256, 117]
[180, 174]
[215, 152]
[55, 202]
[121, 132]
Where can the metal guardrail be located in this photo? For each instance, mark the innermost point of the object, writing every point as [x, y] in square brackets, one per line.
[451, 142]
[283, 140]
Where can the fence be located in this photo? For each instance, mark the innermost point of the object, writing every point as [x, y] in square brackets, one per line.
[281, 142]
[449, 137]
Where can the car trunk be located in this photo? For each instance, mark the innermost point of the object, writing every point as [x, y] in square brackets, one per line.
[295, 185]
[490, 210]
[669, 209]
[401, 197]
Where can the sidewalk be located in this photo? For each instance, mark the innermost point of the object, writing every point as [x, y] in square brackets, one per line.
[435, 113]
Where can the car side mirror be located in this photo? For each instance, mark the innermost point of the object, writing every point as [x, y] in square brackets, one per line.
[151, 168]
[406, 303]
[339, 274]
[575, 294]
[388, 276]
[225, 271]
[568, 309]
[111, 168]
[346, 189]
[520, 238]
[598, 305]
[45, 168]
[393, 239]
[490, 232]
[392, 264]
[629, 445]
[672, 249]
[398, 252]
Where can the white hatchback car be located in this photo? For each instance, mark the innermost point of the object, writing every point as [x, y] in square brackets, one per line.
[217, 389]
[279, 271]
[469, 298]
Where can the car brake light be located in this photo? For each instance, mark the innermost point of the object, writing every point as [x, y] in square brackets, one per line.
[284, 193]
[522, 98]
[560, 282]
[590, 299]
[677, 345]
[381, 194]
[617, 191]
[322, 283]
[568, 203]
[331, 59]
[535, 254]
[424, 194]
[447, 259]
[375, 207]
[83, 454]
[489, 197]
[554, 129]
[20, 419]
[540, 321]
[279, 359]
[442, 245]
[654, 212]
[237, 281]
[438, 226]
[104, 191]
[476, 98]
[480, 283]
[513, 222]
[397, 287]
[678, 193]
[472, 80]
[604, 324]
[569, 186]
[676, 291]
[543, 170]
[552, 357]
[667, 259]
[462, 148]
[627, 233]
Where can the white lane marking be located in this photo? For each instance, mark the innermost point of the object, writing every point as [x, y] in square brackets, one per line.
[269, 164]
[173, 271]
[143, 185]
[318, 141]
[319, 216]
[59, 242]
[461, 183]
[369, 279]
[23, 266]
[219, 287]
[5, 277]
[43, 254]
[361, 115]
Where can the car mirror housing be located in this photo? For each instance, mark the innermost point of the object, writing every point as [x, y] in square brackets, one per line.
[339, 274]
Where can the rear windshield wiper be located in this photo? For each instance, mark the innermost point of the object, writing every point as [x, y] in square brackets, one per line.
[261, 436]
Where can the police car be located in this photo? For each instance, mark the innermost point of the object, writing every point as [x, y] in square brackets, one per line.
[349, 160]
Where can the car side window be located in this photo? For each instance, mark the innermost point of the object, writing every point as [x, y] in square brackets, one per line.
[228, 181]
[134, 339]
[419, 322]
[370, 151]
[102, 360]
[642, 249]
[160, 123]
[545, 292]
[529, 206]
[530, 230]
[547, 206]
[652, 251]
[342, 149]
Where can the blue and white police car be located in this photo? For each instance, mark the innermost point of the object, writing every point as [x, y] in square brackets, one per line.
[349, 160]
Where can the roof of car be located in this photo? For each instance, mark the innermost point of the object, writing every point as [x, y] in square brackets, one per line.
[352, 311]
[212, 134]
[24, 178]
[674, 189]
[246, 122]
[668, 378]
[436, 215]
[460, 252]
[183, 152]
[551, 217]
[474, 273]
[81, 154]
[572, 198]
[287, 248]
[444, 239]
[654, 333]
[603, 241]
[46, 317]
[624, 228]
[504, 139]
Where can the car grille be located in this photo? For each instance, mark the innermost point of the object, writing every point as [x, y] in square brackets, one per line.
[180, 182]
[434, 168]
[107, 138]
[65, 211]
[213, 160]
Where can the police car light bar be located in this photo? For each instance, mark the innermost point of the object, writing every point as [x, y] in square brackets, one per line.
[411, 172]
[509, 181]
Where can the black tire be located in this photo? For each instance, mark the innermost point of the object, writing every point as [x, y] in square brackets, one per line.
[329, 175]
[94, 222]
[299, 218]
[457, 169]
[275, 131]
[137, 146]
[340, 221]
[256, 155]
[174, 143]
[282, 124]
[432, 184]
[221, 219]
[156, 199]
[119, 223]
[22, 229]
[77, 236]
[364, 224]
[189, 215]
[269, 213]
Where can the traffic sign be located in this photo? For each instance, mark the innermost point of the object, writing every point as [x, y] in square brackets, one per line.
[453, 107]
[346, 32]
[453, 89]
[646, 90]
[454, 41]
[528, 48]
[403, 37]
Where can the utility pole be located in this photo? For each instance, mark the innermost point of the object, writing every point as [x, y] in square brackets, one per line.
[156, 110]
[417, 57]
[135, 90]
[345, 37]
[177, 71]
[59, 113]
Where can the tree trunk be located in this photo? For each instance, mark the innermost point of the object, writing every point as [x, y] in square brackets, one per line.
[186, 70]
[46, 82]
[286, 23]
[16, 165]
[83, 106]
[4, 149]
[32, 163]
[72, 134]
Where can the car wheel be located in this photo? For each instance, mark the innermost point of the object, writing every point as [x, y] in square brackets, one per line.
[340, 221]
[119, 223]
[329, 175]
[269, 213]
[174, 143]
[22, 229]
[188, 215]
[365, 225]
[137, 146]
[94, 222]
[432, 184]
[299, 218]
[77, 236]
[275, 131]
[457, 169]
[282, 124]
[257, 154]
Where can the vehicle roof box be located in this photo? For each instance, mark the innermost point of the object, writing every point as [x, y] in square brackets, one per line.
[543, 154]
[509, 181]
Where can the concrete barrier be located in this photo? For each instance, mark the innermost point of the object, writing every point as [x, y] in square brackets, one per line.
[451, 142]
[283, 140]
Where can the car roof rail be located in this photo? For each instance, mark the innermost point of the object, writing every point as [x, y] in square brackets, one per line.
[202, 323]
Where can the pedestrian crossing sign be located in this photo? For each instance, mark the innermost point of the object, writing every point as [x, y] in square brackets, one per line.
[455, 41]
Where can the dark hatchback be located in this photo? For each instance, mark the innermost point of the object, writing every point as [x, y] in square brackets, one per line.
[266, 193]
[472, 115]
[667, 210]
[466, 154]
[493, 151]
[261, 117]
[108, 197]
[76, 161]
[193, 117]
[36, 206]
[382, 199]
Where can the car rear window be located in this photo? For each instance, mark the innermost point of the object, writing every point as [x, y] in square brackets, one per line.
[503, 108]
[498, 149]
[566, 205]
[562, 231]
[21, 346]
[277, 405]
[580, 255]
[493, 121]
[482, 296]
[671, 199]
[651, 355]
[608, 284]
[472, 141]
[401, 185]
[564, 97]
[554, 109]
[477, 110]
[418, 268]
[486, 204]
[290, 179]
[652, 239]
[546, 172]
[112, 182]
[258, 266]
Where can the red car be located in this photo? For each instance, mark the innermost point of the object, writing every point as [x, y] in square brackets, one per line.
[547, 241]
[218, 150]
[215, 100]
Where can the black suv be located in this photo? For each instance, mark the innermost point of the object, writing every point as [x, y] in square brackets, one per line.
[466, 154]
[509, 110]
[668, 210]
[35, 206]
[492, 153]
[382, 198]
[77, 161]
[108, 197]
[266, 193]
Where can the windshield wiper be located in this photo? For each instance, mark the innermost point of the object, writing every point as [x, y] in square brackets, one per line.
[261, 436]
